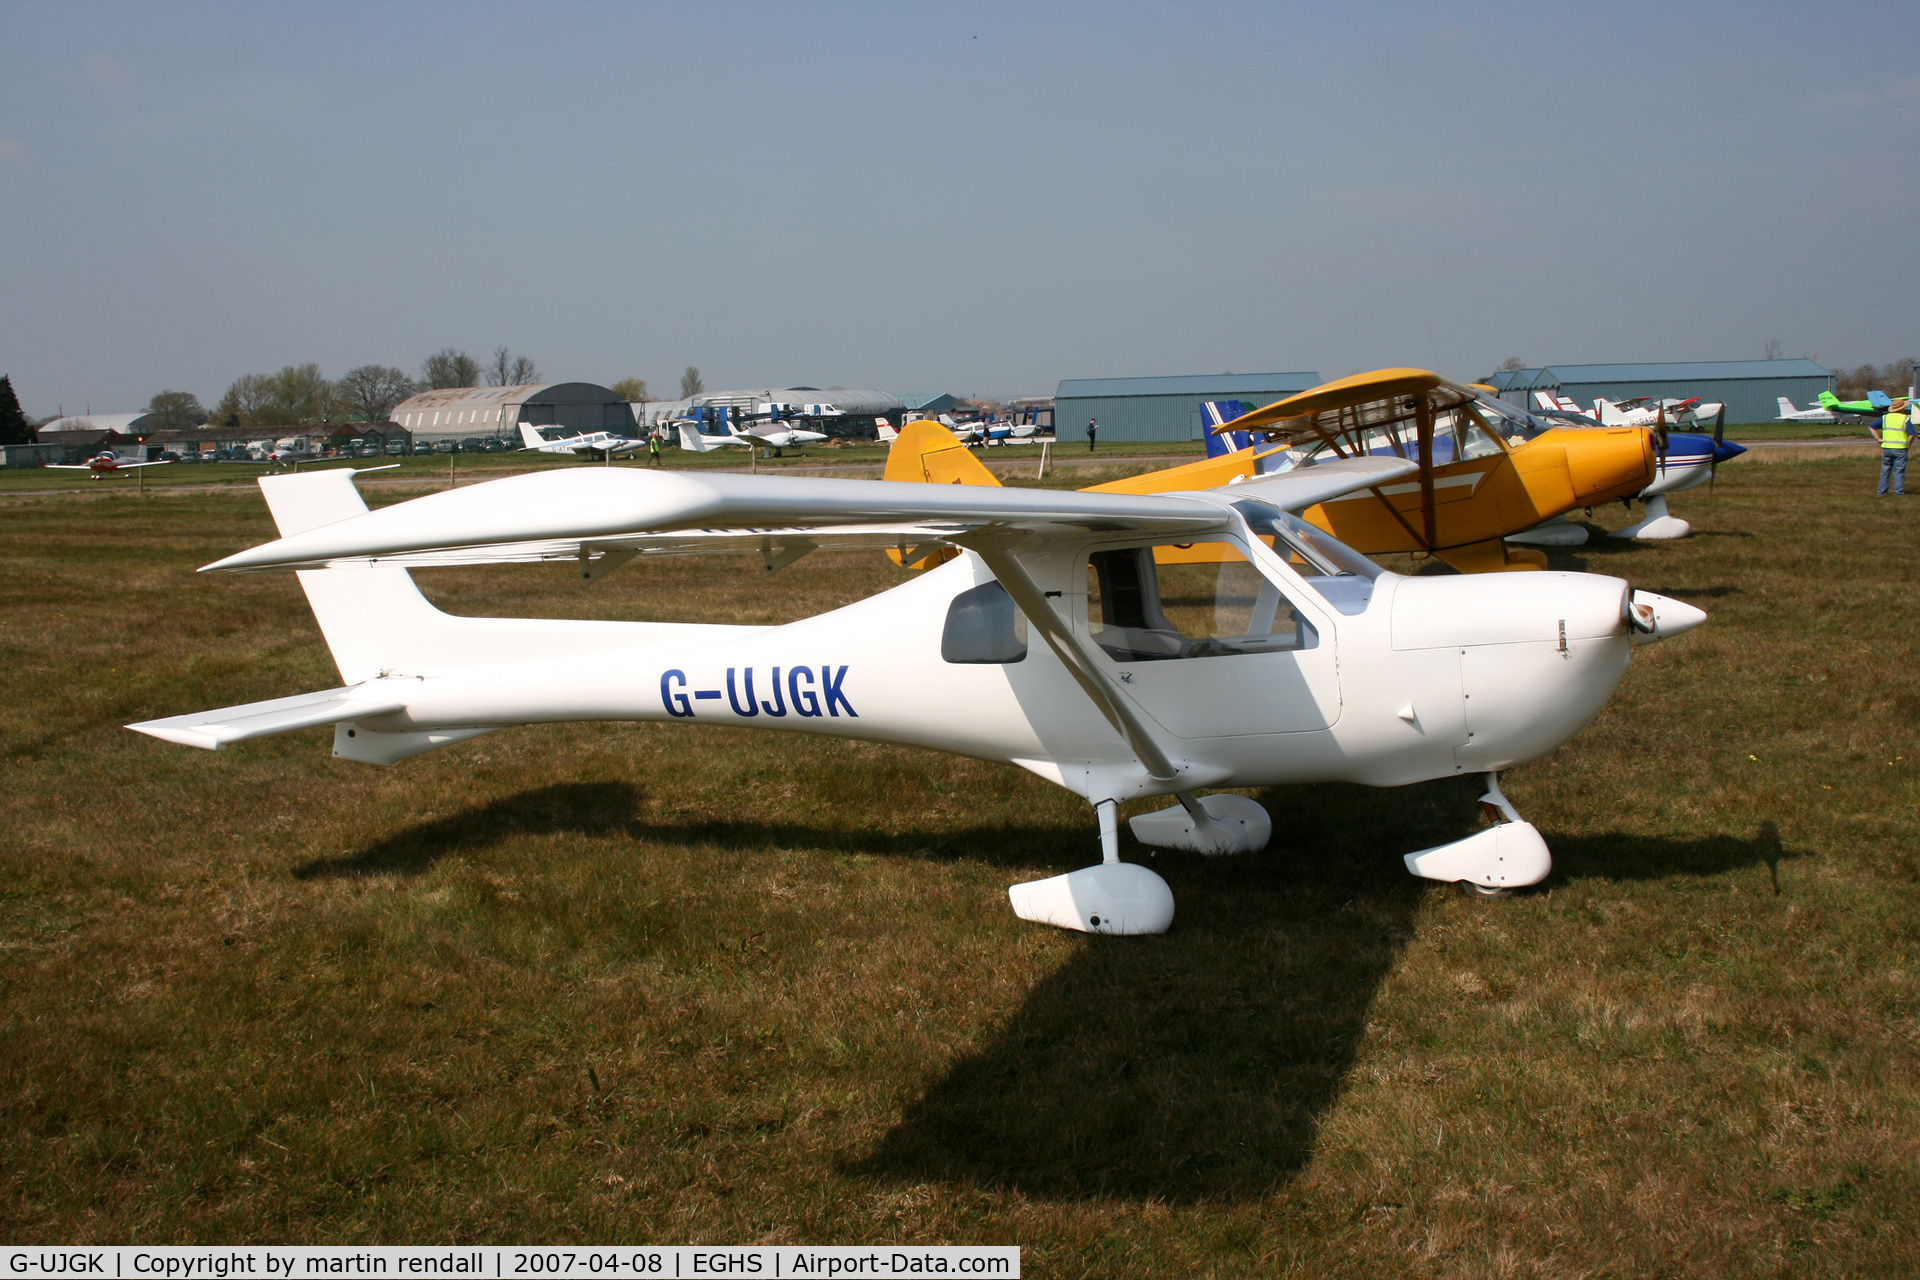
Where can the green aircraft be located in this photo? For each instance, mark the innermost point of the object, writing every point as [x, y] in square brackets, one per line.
[1876, 403]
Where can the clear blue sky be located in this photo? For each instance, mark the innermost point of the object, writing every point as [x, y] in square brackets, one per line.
[975, 198]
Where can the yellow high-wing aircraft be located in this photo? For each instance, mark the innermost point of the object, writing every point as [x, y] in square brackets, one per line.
[1475, 486]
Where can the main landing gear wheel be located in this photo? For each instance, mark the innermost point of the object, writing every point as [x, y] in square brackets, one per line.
[1491, 863]
[1468, 889]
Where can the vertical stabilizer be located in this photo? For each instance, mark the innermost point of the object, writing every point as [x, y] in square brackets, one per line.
[373, 617]
[1218, 413]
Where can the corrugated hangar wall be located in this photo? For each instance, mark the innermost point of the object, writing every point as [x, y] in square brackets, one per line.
[1161, 408]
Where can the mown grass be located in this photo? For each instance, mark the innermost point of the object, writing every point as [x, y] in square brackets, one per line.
[651, 983]
[470, 468]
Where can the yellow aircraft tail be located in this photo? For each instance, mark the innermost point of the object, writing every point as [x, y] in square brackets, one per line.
[927, 453]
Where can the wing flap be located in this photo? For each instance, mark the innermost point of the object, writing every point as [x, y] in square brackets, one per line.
[213, 730]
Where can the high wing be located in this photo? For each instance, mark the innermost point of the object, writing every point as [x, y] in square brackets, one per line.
[600, 516]
[117, 466]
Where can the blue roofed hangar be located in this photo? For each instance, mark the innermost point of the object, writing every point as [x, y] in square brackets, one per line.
[1162, 408]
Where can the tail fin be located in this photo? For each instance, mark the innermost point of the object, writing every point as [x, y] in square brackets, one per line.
[1544, 400]
[1786, 408]
[1828, 399]
[530, 437]
[1608, 412]
[373, 617]
[928, 453]
[885, 431]
[1218, 413]
[692, 438]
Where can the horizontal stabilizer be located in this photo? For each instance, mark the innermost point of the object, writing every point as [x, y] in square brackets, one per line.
[215, 729]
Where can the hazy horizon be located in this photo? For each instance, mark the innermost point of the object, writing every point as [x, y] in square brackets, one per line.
[982, 199]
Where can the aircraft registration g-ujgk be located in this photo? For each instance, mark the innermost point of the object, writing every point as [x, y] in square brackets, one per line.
[1052, 642]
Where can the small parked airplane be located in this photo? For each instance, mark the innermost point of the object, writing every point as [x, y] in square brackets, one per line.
[768, 429]
[1470, 490]
[1282, 657]
[1820, 414]
[589, 443]
[1644, 411]
[1682, 460]
[106, 463]
[1876, 403]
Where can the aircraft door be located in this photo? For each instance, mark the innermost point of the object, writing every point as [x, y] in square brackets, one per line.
[1208, 644]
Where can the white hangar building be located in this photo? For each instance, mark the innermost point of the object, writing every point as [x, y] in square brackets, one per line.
[463, 413]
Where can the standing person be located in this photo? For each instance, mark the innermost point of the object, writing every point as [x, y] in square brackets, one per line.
[1093, 425]
[1893, 436]
[653, 449]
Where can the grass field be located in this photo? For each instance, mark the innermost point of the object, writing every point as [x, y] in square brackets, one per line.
[651, 983]
[470, 468]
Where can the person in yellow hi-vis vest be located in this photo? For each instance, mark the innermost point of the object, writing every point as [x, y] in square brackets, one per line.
[1893, 436]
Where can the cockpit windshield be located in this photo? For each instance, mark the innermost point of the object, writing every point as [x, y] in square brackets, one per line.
[1339, 573]
[1515, 425]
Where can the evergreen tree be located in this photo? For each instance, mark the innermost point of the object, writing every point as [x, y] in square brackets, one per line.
[14, 427]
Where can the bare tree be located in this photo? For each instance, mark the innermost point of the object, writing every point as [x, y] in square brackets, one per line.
[509, 370]
[371, 391]
[175, 411]
[1773, 350]
[690, 383]
[1512, 364]
[450, 367]
[630, 389]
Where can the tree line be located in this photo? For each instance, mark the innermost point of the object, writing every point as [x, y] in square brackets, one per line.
[300, 393]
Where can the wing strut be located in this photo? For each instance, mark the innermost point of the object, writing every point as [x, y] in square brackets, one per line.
[994, 547]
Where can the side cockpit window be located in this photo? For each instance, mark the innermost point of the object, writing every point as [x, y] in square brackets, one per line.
[1200, 600]
[983, 626]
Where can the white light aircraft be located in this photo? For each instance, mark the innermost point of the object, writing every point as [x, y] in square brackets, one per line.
[1054, 642]
[1643, 411]
[772, 435]
[589, 443]
[106, 463]
[1813, 413]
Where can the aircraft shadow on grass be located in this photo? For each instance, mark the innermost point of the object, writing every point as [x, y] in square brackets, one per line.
[587, 808]
[1198, 1066]
[1193, 1066]
[615, 808]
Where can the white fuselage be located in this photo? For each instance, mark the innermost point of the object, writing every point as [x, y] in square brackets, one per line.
[1434, 677]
